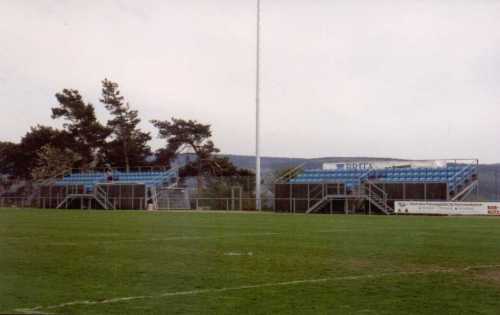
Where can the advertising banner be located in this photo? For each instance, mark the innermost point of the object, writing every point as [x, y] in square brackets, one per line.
[381, 164]
[447, 208]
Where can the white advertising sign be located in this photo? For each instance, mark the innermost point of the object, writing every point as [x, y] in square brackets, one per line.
[381, 164]
[447, 208]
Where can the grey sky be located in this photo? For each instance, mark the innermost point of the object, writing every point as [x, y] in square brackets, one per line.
[411, 79]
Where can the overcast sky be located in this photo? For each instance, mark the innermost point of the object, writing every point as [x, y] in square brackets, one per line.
[403, 78]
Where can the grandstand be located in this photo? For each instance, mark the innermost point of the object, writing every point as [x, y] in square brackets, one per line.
[340, 187]
[366, 187]
[114, 189]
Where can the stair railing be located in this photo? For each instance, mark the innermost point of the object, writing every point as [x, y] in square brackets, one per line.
[290, 174]
[102, 197]
[154, 197]
[378, 195]
[316, 193]
[461, 175]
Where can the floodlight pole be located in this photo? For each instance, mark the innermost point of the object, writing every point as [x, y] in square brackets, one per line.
[257, 117]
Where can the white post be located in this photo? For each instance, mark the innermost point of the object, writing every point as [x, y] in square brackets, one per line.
[257, 117]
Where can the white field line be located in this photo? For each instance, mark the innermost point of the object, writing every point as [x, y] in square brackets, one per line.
[238, 254]
[39, 309]
[390, 228]
[164, 239]
[173, 238]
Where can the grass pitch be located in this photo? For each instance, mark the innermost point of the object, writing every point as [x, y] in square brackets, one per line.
[125, 262]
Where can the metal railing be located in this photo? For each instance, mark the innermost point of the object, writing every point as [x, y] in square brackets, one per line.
[98, 170]
[292, 173]
[102, 197]
[461, 176]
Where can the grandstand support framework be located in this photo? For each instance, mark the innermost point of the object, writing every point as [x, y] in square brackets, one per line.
[362, 187]
[106, 189]
[98, 195]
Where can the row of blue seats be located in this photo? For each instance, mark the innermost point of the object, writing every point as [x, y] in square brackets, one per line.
[121, 179]
[416, 171]
[395, 169]
[96, 179]
[92, 175]
[329, 175]
[89, 183]
[148, 178]
[380, 176]
[386, 171]
[394, 179]
[409, 177]
[318, 180]
[427, 175]
[416, 179]
[308, 180]
[428, 178]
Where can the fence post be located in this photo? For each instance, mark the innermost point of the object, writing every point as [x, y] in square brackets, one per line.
[308, 195]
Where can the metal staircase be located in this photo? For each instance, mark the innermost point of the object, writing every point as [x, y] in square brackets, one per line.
[319, 203]
[367, 190]
[462, 195]
[376, 196]
[102, 198]
[463, 183]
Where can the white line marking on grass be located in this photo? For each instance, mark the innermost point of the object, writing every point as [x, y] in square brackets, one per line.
[164, 239]
[238, 254]
[30, 311]
[38, 309]
[174, 238]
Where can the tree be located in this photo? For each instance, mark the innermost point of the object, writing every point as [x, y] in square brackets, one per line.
[26, 157]
[129, 145]
[8, 157]
[53, 161]
[81, 123]
[189, 135]
[214, 166]
[186, 136]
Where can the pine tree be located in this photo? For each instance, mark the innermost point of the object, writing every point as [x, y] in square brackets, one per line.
[129, 144]
[191, 136]
[88, 133]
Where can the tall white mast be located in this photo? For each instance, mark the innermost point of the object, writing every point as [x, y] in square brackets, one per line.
[257, 117]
